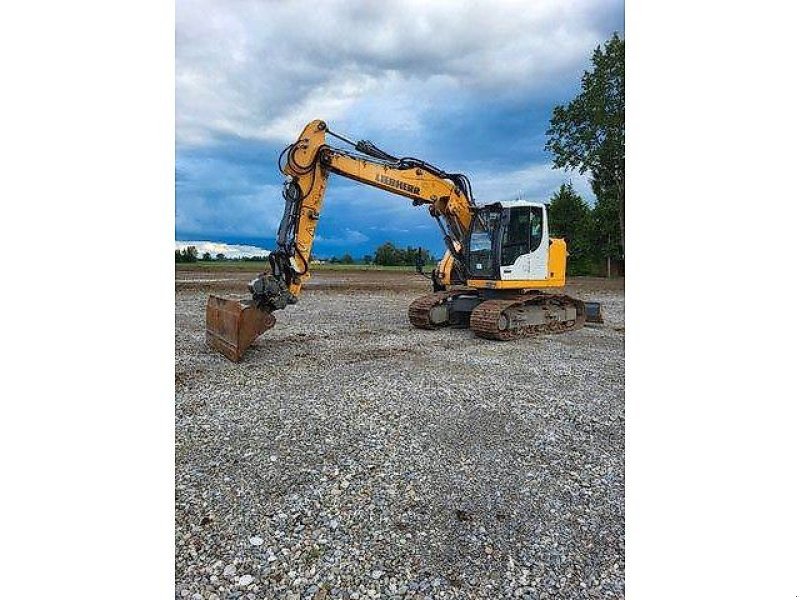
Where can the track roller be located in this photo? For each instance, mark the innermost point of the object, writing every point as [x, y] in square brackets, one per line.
[527, 315]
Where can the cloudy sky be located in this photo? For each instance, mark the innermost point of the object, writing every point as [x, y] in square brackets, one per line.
[468, 86]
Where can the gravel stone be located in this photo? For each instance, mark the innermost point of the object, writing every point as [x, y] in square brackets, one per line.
[354, 444]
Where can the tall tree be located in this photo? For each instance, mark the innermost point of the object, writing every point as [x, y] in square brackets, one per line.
[588, 134]
[570, 217]
[607, 233]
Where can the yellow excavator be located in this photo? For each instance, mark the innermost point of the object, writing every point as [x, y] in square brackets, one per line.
[499, 256]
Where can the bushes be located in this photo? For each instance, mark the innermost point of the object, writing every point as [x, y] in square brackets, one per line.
[587, 231]
[389, 255]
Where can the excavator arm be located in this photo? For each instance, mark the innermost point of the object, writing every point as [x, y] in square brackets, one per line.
[231, 325]
[307, 164]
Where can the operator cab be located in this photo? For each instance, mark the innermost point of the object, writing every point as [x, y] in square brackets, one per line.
[509, 241]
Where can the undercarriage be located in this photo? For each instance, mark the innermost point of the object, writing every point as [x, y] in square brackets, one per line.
[500, 315]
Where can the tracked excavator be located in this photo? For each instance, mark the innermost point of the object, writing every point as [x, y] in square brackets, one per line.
[499, 261]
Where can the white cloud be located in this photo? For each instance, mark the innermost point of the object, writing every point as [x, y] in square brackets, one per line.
[261, 69]
[229, 250]
[535, 182]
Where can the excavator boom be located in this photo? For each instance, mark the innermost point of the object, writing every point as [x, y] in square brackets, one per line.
[232, 325]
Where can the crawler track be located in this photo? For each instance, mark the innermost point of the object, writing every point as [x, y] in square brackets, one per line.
[488, 317]
[419, 311]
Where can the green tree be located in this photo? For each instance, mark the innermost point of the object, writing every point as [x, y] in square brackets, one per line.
[387, 255]
[607, 228]
[347, 259]
[367, 259]
[415, 255]
[206, 255]
[588, 134]
[571, 217]
[189, 254]
[220, 256]
[178, 256]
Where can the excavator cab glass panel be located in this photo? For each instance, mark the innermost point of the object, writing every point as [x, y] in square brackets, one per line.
[482, 246]
[536, 227]
[516, 235]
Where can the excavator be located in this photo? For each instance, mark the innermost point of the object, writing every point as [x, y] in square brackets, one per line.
[499, 256]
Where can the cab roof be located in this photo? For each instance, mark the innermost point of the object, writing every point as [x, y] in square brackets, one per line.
[512, 203]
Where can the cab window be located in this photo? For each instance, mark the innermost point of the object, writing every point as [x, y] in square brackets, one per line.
[536, 227]
[517, 234]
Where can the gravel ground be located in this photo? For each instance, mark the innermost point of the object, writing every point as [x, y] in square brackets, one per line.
[352, 456]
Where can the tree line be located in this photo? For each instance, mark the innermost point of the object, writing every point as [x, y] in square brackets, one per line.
[189, 255]
[388, 255]
[590, 231]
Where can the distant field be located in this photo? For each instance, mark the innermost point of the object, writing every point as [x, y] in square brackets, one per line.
[238, 265]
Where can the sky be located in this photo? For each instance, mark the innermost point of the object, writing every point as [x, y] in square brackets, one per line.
[467, 86]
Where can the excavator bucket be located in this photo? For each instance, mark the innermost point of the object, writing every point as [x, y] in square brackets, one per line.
[233, 325]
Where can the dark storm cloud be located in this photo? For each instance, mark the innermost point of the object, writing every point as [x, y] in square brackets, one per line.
[469, 86]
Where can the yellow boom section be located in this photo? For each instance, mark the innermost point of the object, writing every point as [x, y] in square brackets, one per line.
[310, 160]
[417, 184]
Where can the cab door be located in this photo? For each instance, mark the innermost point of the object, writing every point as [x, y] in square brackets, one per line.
[523, 252]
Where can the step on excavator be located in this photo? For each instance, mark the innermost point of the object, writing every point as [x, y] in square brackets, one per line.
[493, 277]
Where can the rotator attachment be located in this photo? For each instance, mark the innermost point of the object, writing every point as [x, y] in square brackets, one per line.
[232, 325]
[270, 292]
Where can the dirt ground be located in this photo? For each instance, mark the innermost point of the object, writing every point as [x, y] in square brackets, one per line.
[350, 455]
[235, 280]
